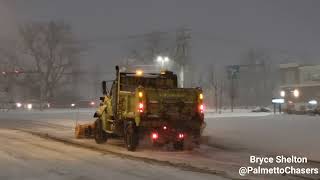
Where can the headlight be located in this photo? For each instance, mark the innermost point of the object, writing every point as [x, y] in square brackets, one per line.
[313, 102]
[139, 72]
[296, 93]
[29, 106]
[282, 93]
[19, 105]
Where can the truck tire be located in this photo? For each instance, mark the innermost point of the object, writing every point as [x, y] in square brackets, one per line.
[178, 145]
[99, 135]
[131, 136]
[88, 132]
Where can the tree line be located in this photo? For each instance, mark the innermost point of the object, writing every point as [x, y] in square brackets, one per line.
[41, 60]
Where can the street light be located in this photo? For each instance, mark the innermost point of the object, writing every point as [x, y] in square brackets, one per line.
[29, 106]
[19, 105]
[162, 60]
[159, 58]
[296, 93]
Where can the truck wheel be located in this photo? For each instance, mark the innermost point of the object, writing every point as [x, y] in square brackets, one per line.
[99, 135]
[178, 145]
[88, 132]
[131, 137]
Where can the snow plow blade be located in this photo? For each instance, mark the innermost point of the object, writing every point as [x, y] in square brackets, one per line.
[84, 131]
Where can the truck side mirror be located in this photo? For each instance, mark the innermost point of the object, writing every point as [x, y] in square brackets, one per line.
[102, 99]
[104, 87]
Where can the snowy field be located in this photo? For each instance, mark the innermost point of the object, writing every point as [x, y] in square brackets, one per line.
[211, 113]
[275, 134]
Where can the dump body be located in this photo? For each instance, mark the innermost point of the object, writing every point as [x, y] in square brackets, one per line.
[163, 102]
[178, 107]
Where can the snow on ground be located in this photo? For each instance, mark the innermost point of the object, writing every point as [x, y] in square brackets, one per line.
[207, 158]
[23, 156]
[66, 117]
[87, 113]
[233, 137]
[230, 114]
[277, 134]
[241, 129]
[211, 113]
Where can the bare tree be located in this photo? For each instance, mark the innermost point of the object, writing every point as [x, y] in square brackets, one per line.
[52, 49]
[9, 65]
[145, 48]
[182, 51]
[214, 86]
[254, 77]
[154, 45]
[221, 94]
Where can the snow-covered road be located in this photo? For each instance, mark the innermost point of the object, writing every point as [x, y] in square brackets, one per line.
[23, 156]
[232, 138]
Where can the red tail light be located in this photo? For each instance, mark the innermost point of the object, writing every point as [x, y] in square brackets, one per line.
[140, 107]
[201, 108]
[180, 135]
[154, 135]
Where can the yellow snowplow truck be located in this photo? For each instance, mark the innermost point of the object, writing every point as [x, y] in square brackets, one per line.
[149, 104]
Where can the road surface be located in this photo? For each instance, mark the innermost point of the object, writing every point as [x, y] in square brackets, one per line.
[23, 156]
[232, 138]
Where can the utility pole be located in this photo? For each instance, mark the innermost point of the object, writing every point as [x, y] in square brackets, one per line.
[233, 72]
[214, 87]
[182, 51]
[264, 81]
[221, 96]
[232, 93]
[216, 96]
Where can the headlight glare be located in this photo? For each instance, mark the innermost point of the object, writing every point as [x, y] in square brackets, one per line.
[296, 93]
[313, 102]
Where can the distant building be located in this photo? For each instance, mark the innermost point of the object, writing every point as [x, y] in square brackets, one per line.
[300, 86]
[299, 75]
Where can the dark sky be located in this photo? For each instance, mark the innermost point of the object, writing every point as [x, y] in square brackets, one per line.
[222, 29]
